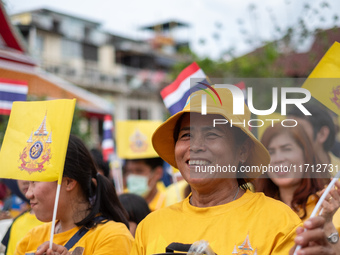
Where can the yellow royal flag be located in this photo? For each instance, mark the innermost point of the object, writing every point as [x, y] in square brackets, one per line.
[134, 138]
[36, 140]
[324, 80]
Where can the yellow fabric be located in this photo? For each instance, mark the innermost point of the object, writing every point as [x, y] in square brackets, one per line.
[326, 91]
[267, 224]
[335, 162]
[311, 203]
[108, 238]
[158, 201]
[19, 229]
[175, 192]
[134, 138]
[36, 139]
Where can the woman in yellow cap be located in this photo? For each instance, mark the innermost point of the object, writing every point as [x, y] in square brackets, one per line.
[216, 160]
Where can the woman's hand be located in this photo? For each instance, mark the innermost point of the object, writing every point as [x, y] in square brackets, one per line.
[313, 239]
[331, 203]
[56, 249]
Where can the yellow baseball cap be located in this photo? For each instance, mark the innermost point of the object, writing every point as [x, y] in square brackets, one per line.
[163, 140]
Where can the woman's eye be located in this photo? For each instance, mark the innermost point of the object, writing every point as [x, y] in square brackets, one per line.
[212, 135]
[185, 135]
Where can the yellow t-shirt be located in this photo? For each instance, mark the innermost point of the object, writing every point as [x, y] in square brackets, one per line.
[175, 192]
[335, 162]
[252, 224]
[108, 238]
[158, 201]
[19, 229]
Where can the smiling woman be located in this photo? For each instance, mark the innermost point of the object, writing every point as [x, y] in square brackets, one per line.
[220, 209]
[90, 218]
[298, 188]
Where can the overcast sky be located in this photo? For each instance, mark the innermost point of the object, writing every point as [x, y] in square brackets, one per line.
[206, 17]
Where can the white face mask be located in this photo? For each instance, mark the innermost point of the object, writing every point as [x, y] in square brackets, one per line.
[137, 184]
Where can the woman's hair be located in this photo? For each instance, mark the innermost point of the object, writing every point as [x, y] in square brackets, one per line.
[102, 197]
[311, 181]
[135, 205]
[240, 138]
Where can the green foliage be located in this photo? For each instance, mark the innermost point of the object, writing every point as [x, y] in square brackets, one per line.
[3, 126]
[76, 129]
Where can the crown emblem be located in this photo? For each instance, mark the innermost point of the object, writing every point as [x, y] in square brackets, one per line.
[138, 142]
[336, 98]
[37, 151]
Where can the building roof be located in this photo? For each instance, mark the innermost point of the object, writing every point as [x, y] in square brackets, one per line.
[49, 11]
[165, 26]
[16, 63]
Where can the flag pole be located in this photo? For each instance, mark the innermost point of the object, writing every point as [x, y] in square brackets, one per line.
[54, 214]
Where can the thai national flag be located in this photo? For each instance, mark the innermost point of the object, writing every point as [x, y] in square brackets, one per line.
[10, 91]
[176, 94]
[107, 144]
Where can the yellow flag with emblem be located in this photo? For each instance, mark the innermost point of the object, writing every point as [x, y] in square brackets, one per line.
[324, 81]
[134, 138]
[36, 140]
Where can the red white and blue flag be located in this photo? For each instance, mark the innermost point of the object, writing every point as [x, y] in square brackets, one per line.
[107, 144]
[10, 91]
[176, 94]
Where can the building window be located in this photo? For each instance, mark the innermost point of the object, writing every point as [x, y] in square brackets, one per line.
[138, 114]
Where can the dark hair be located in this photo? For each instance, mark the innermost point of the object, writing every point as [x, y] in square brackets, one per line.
[80, 166]
[240, 136]
[310, 183]
[151, 162]
[135, 205]
[319, 118]
[99, 160]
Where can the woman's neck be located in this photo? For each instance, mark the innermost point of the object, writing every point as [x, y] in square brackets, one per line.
[287, 194]
[222, 194]
[68, 220]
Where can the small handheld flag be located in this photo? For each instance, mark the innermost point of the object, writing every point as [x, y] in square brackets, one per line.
[176, 94]
[322, 82]
[134, 141]
[36, 140]
[107, 144]
[10, 91]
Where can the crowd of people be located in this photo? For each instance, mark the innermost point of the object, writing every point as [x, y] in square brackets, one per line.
[236, 212]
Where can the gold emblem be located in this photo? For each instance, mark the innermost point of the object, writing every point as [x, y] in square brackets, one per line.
[138, 142]
[38, 151]
[336, 96]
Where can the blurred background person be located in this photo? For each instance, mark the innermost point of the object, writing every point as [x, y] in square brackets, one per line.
[136, 207]
[102, 166]
[143, 178]
[21, 224]
[298, 188]
[320, 129]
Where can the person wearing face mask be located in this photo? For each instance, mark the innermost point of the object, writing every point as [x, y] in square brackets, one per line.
[142, 177]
